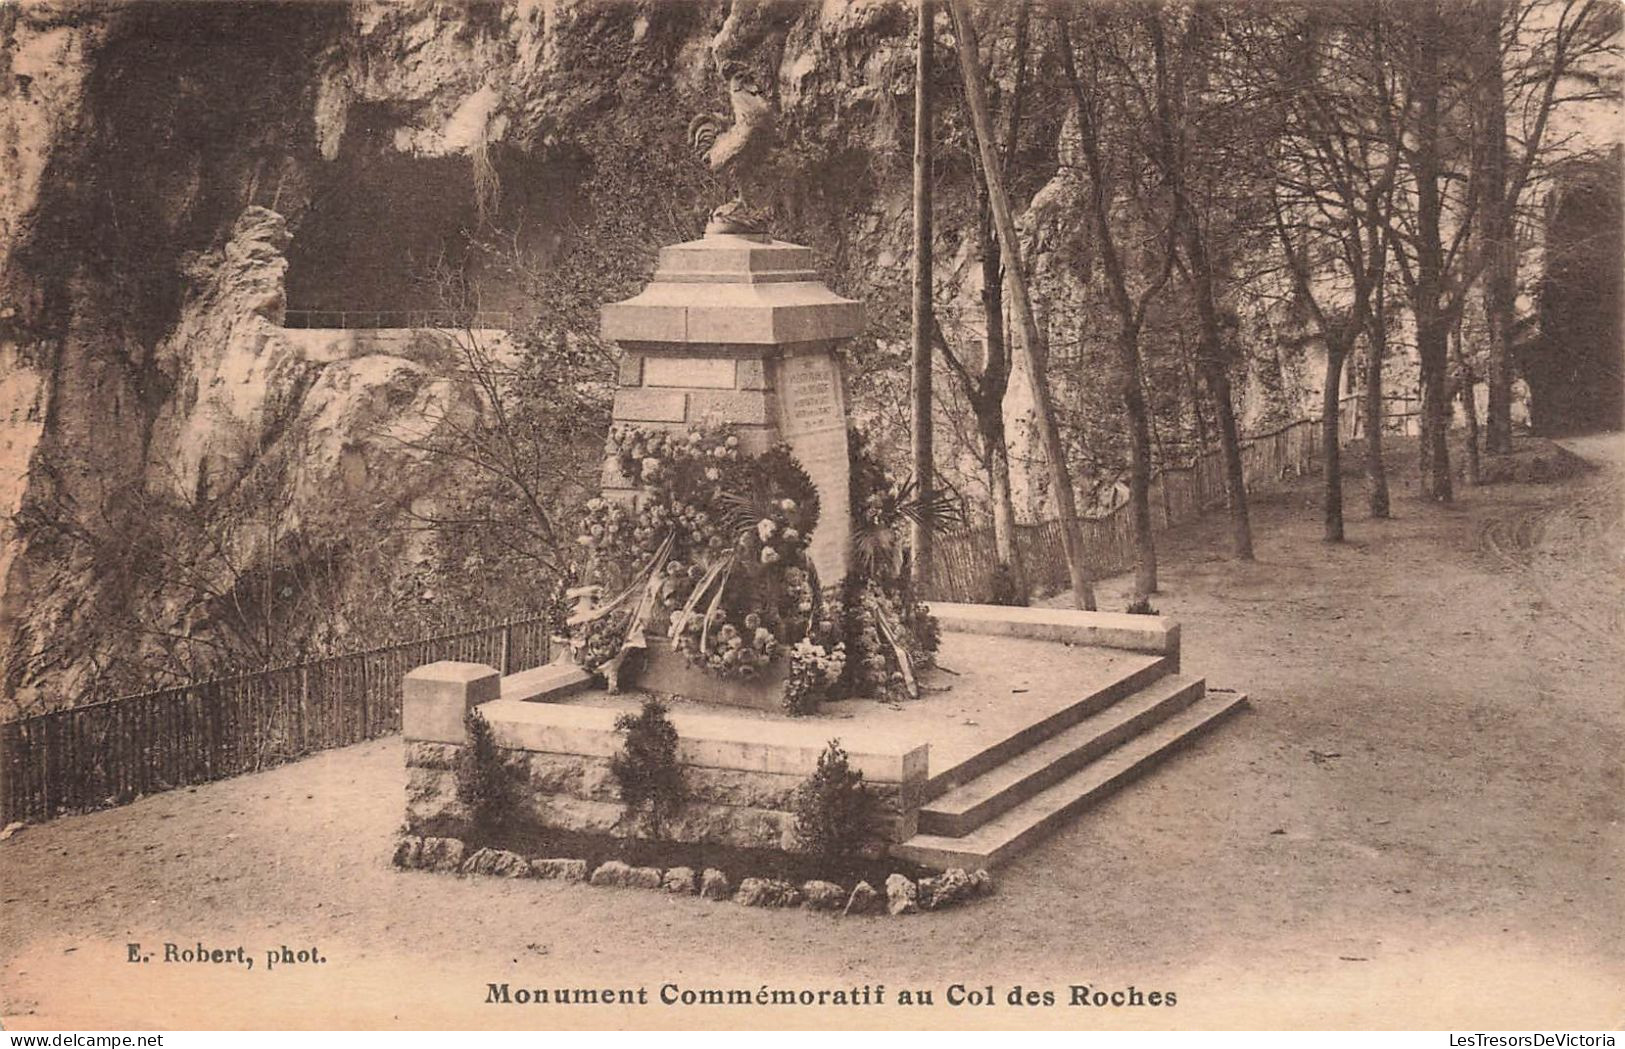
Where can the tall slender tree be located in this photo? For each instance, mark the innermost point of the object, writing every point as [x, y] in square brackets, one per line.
[1032, 342]
[1108, 87]
[1331, 194]
[924, 322]
[1441, 57]
[1179, 95]
[984, 383]
[1531, 57]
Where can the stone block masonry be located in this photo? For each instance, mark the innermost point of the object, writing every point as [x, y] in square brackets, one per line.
[1134, 633]
[663, 387]
[739, 330]
[435, 699]
[650, 406]
[713, 373]
[740, 774]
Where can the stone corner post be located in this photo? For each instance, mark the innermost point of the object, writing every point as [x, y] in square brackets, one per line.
[436, 697]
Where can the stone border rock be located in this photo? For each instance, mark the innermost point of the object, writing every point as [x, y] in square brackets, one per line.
[901, 894]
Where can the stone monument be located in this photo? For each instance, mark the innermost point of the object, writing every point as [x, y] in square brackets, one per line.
[737, 329]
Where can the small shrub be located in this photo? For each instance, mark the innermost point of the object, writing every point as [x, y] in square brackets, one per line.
[485, 784]
[650, 777]
[1141, 607]
[834, 810]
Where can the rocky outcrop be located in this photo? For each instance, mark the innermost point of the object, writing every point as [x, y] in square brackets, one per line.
[611, 874]
[679, 881]
[408, 852]
[150, 397]
[823, 896]
[441, 854]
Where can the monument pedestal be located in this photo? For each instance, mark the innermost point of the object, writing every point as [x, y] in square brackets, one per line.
[663, 671]
[737, 330]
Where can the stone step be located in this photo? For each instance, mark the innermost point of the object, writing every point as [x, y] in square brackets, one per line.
[545, 684]
[966, 807]
[1142, 671]
[1022, 826]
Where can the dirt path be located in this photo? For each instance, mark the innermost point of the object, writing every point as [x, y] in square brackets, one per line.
[1417, 824]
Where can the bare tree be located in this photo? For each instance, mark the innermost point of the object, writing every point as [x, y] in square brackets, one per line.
[1532, 57]
[984, 383]
[1032, 338]
[1453, 171]
[1179, 96]
[1331, 196]
[1107, 89]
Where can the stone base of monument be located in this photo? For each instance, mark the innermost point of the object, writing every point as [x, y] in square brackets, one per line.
[668, 673]
[1046, 712]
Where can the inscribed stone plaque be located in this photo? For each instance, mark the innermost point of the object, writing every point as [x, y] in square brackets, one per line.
[812, 417]
[703, 372]
[810, 391]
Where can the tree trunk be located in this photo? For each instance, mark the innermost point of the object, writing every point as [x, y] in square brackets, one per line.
[995, 377]
[970, 65]
[988, 403]
[1431, 338]
[920, 531]
[1139, 463]
[1331, 441]
[1211, 352]
[1189, 229]
[1375, 414]
[1466, 386]
[1005, 544]
[1427, 291]
[1470, 407]
[1194, 392]
[989, 408]
[1500, 275]
[1235, 480]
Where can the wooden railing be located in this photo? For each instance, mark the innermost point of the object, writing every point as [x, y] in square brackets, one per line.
[113, 751]
[460, 319]
[964, 564]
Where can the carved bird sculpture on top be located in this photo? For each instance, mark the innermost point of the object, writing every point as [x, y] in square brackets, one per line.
[738, 150]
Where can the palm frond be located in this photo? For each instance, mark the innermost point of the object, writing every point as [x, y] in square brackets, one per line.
[716, 601]
[740, 512]
[875, 545]
[937, 512]
[904, 664]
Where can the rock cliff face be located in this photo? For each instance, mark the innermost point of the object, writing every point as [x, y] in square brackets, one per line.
[177, 464]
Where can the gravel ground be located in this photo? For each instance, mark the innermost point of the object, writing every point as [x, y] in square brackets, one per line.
[1417, 824]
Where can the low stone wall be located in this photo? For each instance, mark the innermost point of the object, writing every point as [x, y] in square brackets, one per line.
[740, 774]
[429, 346]
[902, 895]
[1154, 634]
